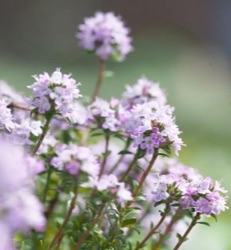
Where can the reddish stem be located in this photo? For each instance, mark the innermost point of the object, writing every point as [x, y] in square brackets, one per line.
[99, 79]
[59, 234]
[183, 238]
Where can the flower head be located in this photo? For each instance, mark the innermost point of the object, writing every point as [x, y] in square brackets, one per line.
[111, 184]
[142, 91]
[152, 126]
[73, 159]
[106, 35]
[58, 92]
[104, 114]
[182, 185]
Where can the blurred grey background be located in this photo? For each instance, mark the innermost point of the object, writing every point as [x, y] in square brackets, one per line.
[185, 45]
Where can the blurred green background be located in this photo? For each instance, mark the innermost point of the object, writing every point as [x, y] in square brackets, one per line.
[185, 45]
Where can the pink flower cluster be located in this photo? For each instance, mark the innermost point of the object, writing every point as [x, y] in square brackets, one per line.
[20, 209]
[111, 184]
[146, 119]
[143, 91]
[6, 119]
[104, 114]
[58, 91]
[151, 125]
[106, 35]
[73, 159]
[15, 124]
[183, 185]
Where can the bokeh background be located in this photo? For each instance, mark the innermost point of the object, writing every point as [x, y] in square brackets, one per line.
[185, 45]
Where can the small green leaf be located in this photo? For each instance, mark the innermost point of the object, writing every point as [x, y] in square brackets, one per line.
[128, 222]
[119, 136]
[124, 152]
[179, 236]
[214, 217]
[140, 198]
[163, 154]
[130, 215]
[204, 223]
[96, 134]
[141, 153]
[136, 208]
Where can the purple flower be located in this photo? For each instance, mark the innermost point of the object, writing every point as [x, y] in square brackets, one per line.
[42, 103]
[150, 125]
[58, 91]
[151, 142]
[48, 142]
[105, 114]
[74, 158]
[73, 167]
[20, 208]
[106, 35]
[6, 118]
[35, 166]
[184, 186]
[143, 91]
[111, 184]
[160, 192]
[23, 129]
[204, 198]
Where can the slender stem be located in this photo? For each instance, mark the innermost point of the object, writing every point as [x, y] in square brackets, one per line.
[99, 79]
[143, 177]
[129, 168]
[168, 229]
[53, 203]
[153, 230]
[101, 66]
[116, 164]
[19, 106]
[47, 184]
[183, 238]
[59, 234]
[121, 157]
[138, 221]
[86, 233]
[145, 174]
[45, 130]
[107, 137]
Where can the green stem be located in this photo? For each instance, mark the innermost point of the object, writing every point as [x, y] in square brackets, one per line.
[146, 172]
[53, 202]
[59, 234]
[44, 132]
[183, 238]
[168, 229]
[86, 233]
[124, 176]
[99, 79]
[107, 137]
[116, 164]
[47, 184]
[153, 230]
[121, 157]
[143, 177]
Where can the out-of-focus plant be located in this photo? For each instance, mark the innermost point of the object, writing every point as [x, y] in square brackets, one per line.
[80, 174]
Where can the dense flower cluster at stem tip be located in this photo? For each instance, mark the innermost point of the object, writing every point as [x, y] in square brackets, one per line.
[179, 184]
[58, 91]
[106, 35]
[80, 174]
